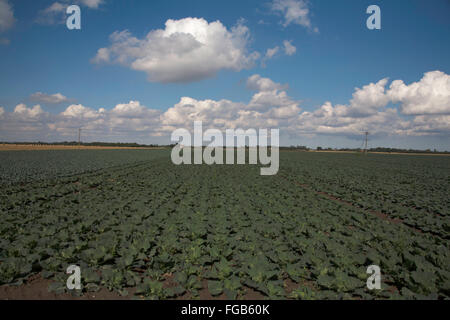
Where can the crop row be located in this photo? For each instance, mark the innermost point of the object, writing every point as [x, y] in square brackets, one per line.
[164, 231]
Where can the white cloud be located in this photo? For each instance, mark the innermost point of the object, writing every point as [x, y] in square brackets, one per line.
[24, 122]
[266, 100]
[333, 120]
[369, 99]
[186, 50]
[22, 111]
[294, 12]
[6, 19]
[271, 52]
[102, 56]
[431, 95]
[427, 100]
[269, 107]
[56, 12]
[93, 4]
[258, 83]
[6, 15]
[125, 122]
[81, 112]
[49, 98]
[289, 48]
[428, 124]
[133, 109]
[209, 111]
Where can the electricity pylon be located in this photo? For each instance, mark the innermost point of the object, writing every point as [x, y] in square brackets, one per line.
[366, 140]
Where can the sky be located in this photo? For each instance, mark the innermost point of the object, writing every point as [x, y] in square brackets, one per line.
[138, 70]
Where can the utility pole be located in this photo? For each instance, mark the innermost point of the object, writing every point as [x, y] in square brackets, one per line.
[79, 137]
[366, 141]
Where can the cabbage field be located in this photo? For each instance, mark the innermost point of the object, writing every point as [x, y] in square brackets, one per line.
[143, 228]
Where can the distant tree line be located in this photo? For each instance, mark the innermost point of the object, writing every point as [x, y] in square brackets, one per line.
[92, 144]
[382, 149]
[379, 149]
[298, 148]
[291, 148]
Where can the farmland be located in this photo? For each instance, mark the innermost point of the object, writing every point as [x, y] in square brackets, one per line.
[140, 227]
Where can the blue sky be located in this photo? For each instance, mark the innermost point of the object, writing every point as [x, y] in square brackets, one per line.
[335, 53]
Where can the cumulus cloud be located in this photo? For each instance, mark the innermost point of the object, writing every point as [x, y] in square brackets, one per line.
[294, 12]
[93, 4]
[56, 12]
[81, 112]
[337, 120]
[266, 100]
[427, 125]
[56, 98]
[269, 107]
[6, 15]
[124, 121]
[102, 56]
[426, 100]
[185, 50]
[6, 19]
[289, 48]
[24, 123]
[369, 99]
[430, 95]
[272, 52]
[23, 112]
[133, 109]
[189, 109]
[260, 84]
[367, 110]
